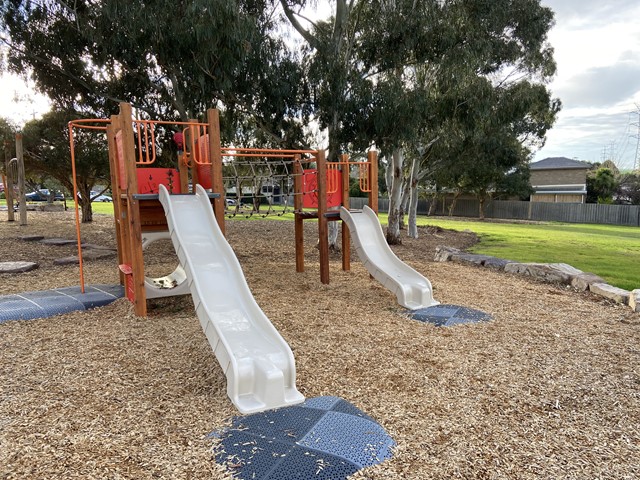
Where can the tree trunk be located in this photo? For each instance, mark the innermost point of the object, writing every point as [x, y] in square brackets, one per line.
[433, 205]
[481, 200]
[404, 204]
[452, 207]
[413, 202]
[395, 194]
[87, 212]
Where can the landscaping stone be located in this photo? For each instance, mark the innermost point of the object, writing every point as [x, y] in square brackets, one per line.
[613, 293]
[469, 258]
[583, 280]
[634, 300]
[496, 263]
[95, 246]
[17, 267]
[86, 256]
[32, 238]
[554, 273]
[58, 241]
[444, 253]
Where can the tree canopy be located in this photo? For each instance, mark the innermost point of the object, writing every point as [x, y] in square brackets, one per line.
[455, 87]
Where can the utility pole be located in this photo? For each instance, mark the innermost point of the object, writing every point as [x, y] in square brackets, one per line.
[636, 160]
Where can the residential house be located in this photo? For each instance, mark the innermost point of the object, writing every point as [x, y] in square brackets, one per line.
[559, 180]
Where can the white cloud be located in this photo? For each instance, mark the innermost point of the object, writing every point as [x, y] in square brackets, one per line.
[597, 49]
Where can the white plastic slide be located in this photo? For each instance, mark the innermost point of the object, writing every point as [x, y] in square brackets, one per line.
[411, 288]
[257, 362]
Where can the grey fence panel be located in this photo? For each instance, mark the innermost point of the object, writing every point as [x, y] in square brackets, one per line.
[537, 211]
[507, 209]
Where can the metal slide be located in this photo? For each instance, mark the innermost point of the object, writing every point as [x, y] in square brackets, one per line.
[256, 360]
[411, 288]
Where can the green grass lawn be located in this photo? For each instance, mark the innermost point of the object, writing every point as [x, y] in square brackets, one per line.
[610, 251]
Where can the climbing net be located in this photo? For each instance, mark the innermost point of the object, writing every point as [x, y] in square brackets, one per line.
[263, 182]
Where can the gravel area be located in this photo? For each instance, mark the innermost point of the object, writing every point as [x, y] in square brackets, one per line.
[549, 389]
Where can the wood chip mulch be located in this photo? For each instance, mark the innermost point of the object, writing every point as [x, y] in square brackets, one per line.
[549, 389]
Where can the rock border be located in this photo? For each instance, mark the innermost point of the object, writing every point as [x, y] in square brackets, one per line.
[561, 273]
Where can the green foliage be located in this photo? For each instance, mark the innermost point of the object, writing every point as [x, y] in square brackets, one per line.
[628, 190]
[170, 60]
[601, 185]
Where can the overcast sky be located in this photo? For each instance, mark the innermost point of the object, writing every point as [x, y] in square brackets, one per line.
[597, 49]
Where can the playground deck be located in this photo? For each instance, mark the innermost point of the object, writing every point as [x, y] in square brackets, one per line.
[549, 389]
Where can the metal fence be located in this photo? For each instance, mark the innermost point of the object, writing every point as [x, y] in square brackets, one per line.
[536, 211]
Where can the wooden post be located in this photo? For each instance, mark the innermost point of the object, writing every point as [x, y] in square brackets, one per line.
[215, 153]
[8, 184]
[21, 189]
[115, 190]
[133, 210]
[346, 237]
[323, 229]
[372, 158]
[297, 207]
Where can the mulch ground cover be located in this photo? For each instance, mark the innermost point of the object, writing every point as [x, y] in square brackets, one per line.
[549, 389]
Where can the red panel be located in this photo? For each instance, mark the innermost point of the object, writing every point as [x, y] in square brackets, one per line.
[310, 188]
[128, 282]
[149, 179]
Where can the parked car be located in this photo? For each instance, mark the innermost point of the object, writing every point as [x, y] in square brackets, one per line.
[103, 198]
[42, 195]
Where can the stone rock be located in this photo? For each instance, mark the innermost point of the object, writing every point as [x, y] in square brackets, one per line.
[94, 246]
[583, 280]
[565, 267]
[32, 238]
[469, 258]
[496, 263]
[86, 256]
[613, 293]
[634, 300]
[17, 267]
[542, 271]
[58, 241]
[444, 253]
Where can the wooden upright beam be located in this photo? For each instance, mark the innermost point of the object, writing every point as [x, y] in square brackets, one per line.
[297, 207]
[115, 191]
[323, 229]
[346, 236]
[133, 209]
[8, 184]
[215, 153]
[21, 180]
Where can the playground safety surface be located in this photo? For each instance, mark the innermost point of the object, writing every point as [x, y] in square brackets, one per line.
[324, 438]
[46, 303]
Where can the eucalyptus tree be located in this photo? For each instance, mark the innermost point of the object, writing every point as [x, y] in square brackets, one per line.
[171, 60]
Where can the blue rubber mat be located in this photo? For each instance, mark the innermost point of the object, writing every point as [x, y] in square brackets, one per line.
[40, 304]
[324, 438]
[449, 315]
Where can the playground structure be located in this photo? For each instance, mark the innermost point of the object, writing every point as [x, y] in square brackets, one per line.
[187, 204]
[140, 218]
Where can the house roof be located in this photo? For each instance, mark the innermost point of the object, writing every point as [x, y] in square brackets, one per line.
[558, 163]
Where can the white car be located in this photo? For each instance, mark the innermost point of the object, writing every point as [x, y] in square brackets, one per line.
[103, 198]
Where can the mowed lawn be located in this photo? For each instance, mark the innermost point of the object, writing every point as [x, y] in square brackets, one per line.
[610, 251]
